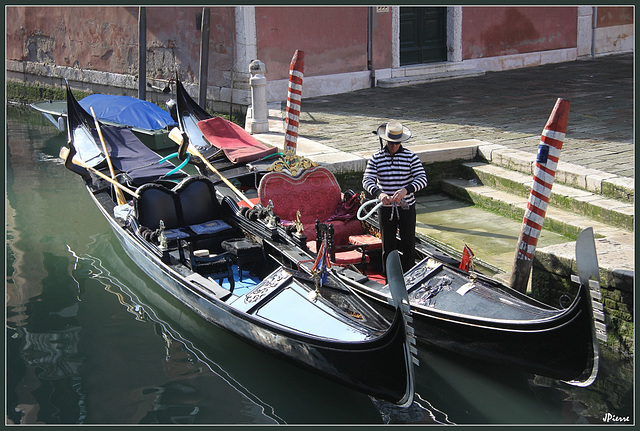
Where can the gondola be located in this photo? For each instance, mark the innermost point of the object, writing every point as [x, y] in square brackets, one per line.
[149, 122]
[202, 248]
[226, 145]
[467, 313]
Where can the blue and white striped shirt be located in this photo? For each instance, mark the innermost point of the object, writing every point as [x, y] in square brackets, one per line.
[389, 173]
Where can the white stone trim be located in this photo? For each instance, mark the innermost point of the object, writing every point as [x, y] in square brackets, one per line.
[395, 36]
[516, 61]
[245, 37]
[313, 86]
[585, 30]
[454, 33]
[615, 39]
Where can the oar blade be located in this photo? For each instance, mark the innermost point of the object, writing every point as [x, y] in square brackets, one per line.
[586, 257]
[395, 278]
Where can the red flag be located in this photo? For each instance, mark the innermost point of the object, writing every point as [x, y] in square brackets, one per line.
[467, 255]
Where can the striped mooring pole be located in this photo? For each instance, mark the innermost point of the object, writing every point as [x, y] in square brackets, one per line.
[294, 96]
[543, 175]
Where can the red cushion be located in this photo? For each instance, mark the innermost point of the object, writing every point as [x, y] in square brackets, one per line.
[238, 144]
[342, 231]
[373, 242]
[342, 257]
[350, 257]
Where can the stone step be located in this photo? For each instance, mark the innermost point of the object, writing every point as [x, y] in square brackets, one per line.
[593, 205]
[593, 180]
[426, 75]
[556, 220]
[513, 206]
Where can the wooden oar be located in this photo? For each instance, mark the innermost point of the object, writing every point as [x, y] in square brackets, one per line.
[64, 153]
[119, 195]
[176, 136]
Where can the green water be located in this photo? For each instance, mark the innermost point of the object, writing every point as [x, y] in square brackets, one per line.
[90, 339]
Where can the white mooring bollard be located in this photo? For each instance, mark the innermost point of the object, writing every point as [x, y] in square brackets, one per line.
[257, 121]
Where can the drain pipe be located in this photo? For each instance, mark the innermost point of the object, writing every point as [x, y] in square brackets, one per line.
[372, 72]
[204, 59]
[142, 53]
[594, 25]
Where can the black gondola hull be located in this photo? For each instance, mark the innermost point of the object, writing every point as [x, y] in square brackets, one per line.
[369, 367]
[561, 348]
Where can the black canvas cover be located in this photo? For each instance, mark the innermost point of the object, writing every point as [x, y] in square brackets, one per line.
[128, 154]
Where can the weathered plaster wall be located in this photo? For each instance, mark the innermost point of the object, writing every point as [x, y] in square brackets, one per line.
[609, 16]
[334, 39]
[496, 31]
[85, 37]
[106, 39]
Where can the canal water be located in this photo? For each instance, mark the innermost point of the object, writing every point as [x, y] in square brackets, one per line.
[90, 339]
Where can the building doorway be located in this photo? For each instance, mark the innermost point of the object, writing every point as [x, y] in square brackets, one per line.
[423, 35]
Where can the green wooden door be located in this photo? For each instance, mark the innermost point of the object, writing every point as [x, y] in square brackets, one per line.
[423, 35]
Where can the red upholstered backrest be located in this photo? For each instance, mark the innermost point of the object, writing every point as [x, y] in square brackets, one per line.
[315, 193]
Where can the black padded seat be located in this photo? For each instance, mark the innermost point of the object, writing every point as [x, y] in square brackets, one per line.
[156, 203]
[201, 212]
[198, 201]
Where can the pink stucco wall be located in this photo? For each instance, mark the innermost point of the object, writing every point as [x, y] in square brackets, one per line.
[106, 39]
[86, 37]
[334, 39]
[495, 31]
[614, 15]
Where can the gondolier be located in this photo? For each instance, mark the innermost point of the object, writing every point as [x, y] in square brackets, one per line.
[393, 175]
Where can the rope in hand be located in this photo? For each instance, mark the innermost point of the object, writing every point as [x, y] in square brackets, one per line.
[370, 213]
[394, 208]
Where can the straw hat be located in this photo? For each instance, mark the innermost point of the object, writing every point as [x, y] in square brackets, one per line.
[394, 131]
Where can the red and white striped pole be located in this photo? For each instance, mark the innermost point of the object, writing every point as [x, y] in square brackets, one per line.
[543, 175]
[296, 72]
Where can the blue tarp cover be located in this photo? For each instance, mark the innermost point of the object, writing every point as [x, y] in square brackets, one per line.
[128, 111]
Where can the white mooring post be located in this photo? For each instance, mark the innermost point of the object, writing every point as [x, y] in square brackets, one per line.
[257, 121]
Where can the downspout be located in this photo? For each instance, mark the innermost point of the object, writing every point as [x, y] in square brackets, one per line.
[204, 59]
[372, 72]
[142, 53]
[594, 25]
[233, 58]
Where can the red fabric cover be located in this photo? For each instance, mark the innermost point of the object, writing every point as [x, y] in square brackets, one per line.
[238, 144]
[342, 257]
[374, 243]
[242, 203]
[315, 193]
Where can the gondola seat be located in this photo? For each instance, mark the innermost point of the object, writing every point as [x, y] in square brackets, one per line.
[192, 221]
[157, 204]
[346, 254]
[201, 212]
[315, 193]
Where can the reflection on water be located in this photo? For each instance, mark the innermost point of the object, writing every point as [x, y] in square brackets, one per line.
[91, 339]
[186, 359]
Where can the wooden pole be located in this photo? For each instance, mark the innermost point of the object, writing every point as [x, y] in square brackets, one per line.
[296, 72]
[544, 173]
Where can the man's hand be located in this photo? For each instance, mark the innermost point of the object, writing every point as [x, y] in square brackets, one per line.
[384, 198]
[398, 195]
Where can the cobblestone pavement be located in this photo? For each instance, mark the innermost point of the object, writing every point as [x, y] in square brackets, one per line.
[509, 108]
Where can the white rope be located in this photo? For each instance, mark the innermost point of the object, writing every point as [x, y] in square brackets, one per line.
[370, 213]
[394, 208]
